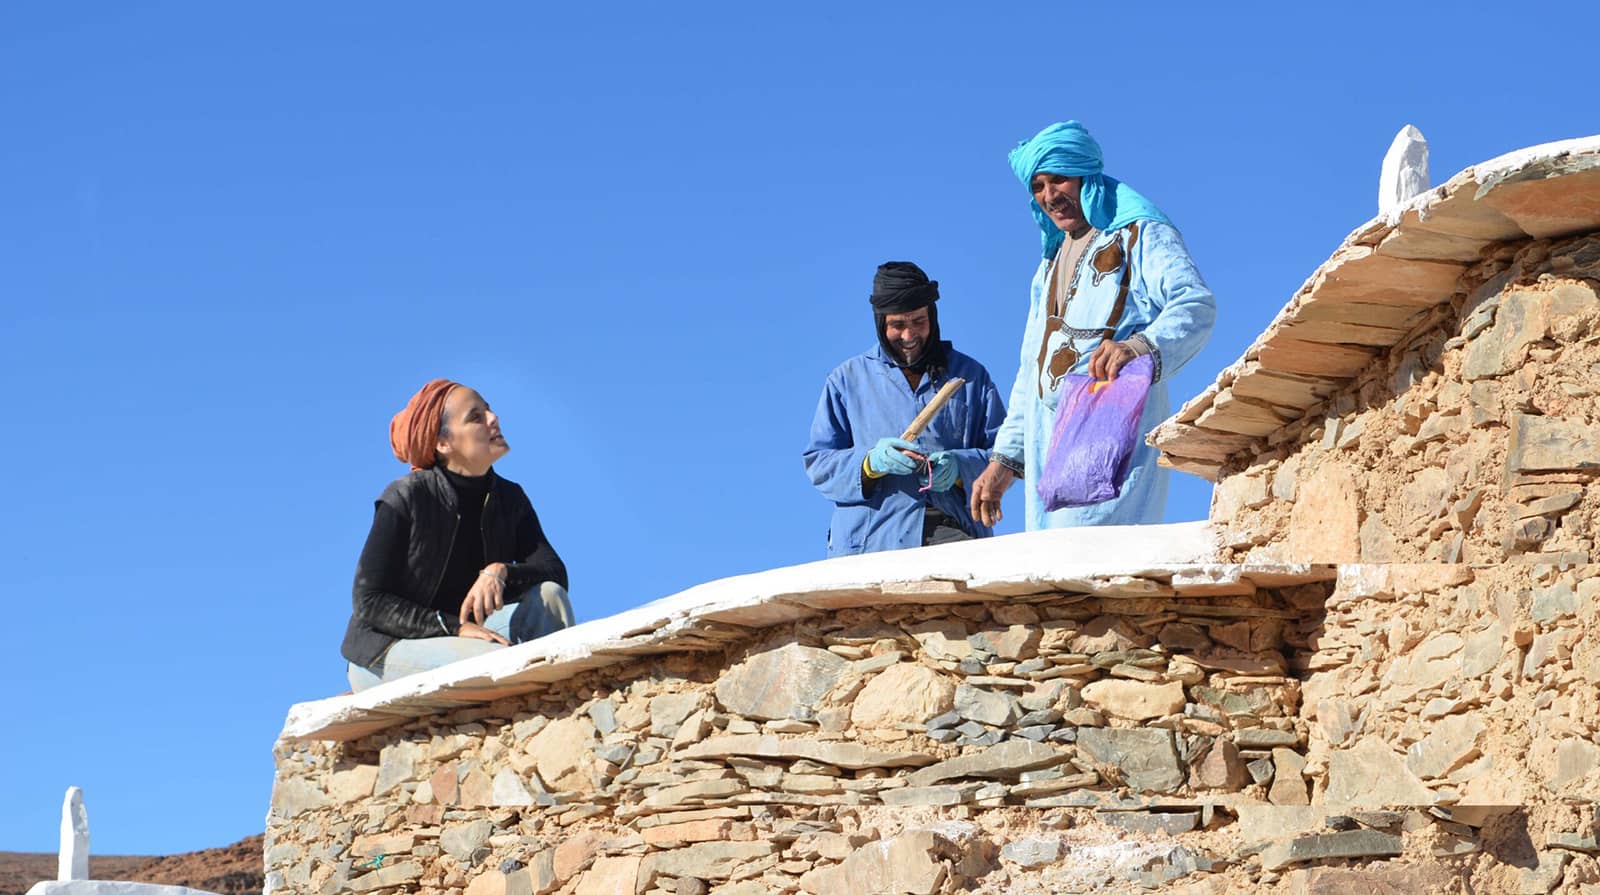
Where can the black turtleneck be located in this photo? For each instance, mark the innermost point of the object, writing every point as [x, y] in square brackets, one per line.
[466, 554]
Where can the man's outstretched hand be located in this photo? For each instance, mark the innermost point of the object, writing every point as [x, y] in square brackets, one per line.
[987, 491]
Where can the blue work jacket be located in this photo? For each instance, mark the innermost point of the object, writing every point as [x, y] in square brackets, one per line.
[867, 398]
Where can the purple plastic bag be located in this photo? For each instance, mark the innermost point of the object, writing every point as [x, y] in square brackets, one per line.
[1095, 434]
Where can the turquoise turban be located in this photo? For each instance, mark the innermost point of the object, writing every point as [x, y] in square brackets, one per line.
[1067, 149]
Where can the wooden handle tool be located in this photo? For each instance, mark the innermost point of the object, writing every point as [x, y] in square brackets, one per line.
[926, 416]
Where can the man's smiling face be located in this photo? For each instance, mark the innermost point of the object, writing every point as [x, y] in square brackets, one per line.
[908, 333]
[1061, 198]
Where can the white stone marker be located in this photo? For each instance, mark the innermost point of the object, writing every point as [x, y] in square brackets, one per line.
[1405, 169]
[73, 862]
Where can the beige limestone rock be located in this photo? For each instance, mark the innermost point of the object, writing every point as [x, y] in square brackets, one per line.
[1430, 664]
[1135, 700]
[1371, 775]
[397, 763]
[1325, 522]
[1377, 541]
[444, 784]
[563, 754]
[1576, 760]
[348, 786]
[943, 638]
[708, 860]
[905, 693]
[1237, 492]
[573, 853]
[387, 877]
[1451, 742]
[823, 879]
[672, 835]
[611, 876]
[1015, 614]
[383, 844]
[1260, 823]
[669, 710]
[1288, 784]
[908, 863]
[493, 882]
[509, 790]
[296, 796]
[1108, 633]
[693, 729]
[1519, 322]
[1426, 495]
[461, 840]
[1540, 443]
[694, 791]
[786, 682]
[1483, 651]
[1015, 643]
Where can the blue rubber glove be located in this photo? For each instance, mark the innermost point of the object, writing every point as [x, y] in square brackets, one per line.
[885, 457]
[945, 471]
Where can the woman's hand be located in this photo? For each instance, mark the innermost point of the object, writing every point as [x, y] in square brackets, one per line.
[479, 632]
[1109, 358]
[487, 595]
[987, 491]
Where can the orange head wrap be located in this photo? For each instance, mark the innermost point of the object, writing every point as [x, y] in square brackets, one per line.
[414, 432]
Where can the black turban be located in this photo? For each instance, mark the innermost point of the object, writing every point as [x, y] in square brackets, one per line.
[900, 287]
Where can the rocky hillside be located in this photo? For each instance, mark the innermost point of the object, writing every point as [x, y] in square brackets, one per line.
[231, 870]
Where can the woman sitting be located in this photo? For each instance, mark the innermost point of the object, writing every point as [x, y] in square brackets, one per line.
[455, 565]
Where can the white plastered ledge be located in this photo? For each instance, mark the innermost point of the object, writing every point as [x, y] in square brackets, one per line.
[108, 887]
[1131, 561]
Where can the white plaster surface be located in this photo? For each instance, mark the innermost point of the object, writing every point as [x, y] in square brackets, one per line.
[72, 862]
[1405, 169]
[1125, 560]
[108, 887]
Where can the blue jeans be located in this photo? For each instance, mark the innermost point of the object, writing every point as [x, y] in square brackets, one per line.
[541, 613]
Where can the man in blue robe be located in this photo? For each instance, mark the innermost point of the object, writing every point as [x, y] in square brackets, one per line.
[888, 493]
[1116, 282]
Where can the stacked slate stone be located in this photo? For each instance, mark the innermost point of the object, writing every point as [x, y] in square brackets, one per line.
[1477, 440]
[741, 767]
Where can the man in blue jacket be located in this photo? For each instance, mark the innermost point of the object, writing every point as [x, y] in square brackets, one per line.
[888, 493]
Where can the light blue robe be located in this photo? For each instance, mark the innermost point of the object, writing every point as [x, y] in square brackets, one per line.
[1170, 305]
[867, 398]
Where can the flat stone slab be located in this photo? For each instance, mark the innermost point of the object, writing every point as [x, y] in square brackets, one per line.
[850, 756]
[1006, 759]
[1169, 823]
[1146, 758]
[1324, 846]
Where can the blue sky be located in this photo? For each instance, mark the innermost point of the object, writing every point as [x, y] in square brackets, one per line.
[235, 238]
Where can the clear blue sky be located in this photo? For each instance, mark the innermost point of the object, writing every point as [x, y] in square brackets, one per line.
[233, 239]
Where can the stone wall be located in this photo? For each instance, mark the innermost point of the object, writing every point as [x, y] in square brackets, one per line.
[1067, 742]
[1478, 440]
